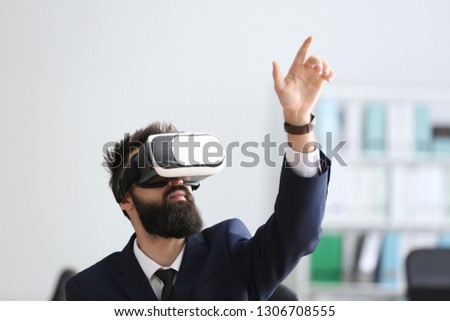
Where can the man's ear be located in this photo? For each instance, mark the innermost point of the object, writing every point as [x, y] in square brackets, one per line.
[127, 202]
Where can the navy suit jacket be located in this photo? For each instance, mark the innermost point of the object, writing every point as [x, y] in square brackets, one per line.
[223, 262]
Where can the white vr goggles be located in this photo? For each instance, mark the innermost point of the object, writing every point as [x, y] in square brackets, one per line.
[189, 156]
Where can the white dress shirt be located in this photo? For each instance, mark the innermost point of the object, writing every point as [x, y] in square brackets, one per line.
[310, 168]
[150, 267]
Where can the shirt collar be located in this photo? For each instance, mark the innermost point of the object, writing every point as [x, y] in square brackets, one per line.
[149, 266]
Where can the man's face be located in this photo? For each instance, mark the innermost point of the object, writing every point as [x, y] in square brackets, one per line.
[168, 211]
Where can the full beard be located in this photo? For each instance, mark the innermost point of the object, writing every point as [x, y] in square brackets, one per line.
[170, 219]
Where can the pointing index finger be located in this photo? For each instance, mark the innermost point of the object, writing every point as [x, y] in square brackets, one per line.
[302, 52]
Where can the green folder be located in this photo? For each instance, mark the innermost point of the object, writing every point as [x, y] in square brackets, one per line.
[326, 263]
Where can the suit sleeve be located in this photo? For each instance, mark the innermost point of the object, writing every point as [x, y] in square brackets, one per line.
[291, 232]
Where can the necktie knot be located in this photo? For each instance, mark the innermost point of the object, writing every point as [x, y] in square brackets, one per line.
[166, 276]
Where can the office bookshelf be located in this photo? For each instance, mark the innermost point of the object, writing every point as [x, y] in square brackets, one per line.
[389, 191]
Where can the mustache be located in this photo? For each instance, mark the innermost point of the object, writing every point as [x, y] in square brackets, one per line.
[177, 188]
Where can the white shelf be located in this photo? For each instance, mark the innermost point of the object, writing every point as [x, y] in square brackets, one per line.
[352, 291]
[398, 189]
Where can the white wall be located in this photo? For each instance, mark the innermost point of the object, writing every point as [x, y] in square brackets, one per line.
[77, 74]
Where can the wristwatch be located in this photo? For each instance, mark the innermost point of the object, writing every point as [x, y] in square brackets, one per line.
[300, 130]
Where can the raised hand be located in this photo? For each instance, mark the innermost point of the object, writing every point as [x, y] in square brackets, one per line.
[299, 90]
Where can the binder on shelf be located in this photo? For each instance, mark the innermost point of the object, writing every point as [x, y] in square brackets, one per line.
[367, 258]
[400, 131]
[445, 194]
[369, 194]
[417, 195]
[427, 187]
[362, 194]
[402, 204]
[339, 200]
[326, 261]
[352, 129]
[389, 265]
[374, 128]
[329, 123]
[435, 201]
[378, 195]
[423, 130]
[352, 244]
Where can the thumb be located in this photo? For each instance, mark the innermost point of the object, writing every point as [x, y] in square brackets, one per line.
[277, 76]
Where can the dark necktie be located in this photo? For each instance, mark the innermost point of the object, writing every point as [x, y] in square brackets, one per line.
[166, 276]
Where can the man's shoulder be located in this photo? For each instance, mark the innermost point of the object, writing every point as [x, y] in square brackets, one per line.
[106, 267]
[99, 269]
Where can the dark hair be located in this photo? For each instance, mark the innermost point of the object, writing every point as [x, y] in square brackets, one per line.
[117, 157]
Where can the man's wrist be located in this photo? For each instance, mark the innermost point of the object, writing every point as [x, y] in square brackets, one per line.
[297, 118]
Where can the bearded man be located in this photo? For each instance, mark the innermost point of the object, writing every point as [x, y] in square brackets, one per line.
[171, 257]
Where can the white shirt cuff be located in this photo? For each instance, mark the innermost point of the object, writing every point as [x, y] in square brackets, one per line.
[303, 164]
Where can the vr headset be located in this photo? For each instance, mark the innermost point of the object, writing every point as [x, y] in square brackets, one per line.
[189, 156]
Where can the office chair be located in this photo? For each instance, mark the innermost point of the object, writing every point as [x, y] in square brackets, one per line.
[59, 293]
[283, 293]
[428, 274]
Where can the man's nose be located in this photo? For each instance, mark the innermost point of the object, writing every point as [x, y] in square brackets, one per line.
[175, 182]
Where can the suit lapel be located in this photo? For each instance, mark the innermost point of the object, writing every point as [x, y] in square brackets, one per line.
[193, 257]
[132, 278]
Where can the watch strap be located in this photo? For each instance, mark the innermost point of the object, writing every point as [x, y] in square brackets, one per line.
[300, 130]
